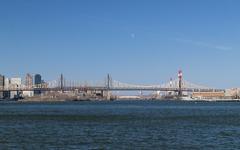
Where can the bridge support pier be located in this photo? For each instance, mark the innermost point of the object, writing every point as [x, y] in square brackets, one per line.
[180, 83]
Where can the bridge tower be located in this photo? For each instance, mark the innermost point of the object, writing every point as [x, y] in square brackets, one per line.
[108, 81]
[171, 82]
[171, 85]
[61, 83]
[109, 84]
[180, 75]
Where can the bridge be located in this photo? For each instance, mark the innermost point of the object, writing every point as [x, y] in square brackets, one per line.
[177, 85]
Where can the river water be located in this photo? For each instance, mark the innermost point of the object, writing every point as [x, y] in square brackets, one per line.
[120, 125]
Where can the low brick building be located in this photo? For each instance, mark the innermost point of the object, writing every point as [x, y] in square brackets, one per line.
[208, 95]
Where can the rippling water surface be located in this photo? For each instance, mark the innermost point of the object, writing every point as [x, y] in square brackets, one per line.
[120, 125]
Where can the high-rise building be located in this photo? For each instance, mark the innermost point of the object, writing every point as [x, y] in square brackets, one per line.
[38, 83]
[1, 85]
[38, 79]
[6, 83]
[29, 81]
[2, 78]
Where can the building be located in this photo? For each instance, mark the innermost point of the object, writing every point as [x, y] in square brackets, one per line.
[28, 93]
[208, 95]
[29, 81]
[6, 83]
[37, 79]
[16, 82]
[44, 84]
[6, 93]
[38, 84]
[2, 78]
[233, 93]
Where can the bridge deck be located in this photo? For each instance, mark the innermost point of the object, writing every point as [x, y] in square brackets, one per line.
[114, 89]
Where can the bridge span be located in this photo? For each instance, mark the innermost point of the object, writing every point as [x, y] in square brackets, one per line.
[177, 85]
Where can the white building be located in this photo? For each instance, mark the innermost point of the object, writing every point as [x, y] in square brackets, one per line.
[14, 84]
[6, 83]
[28, 93]
[16, 81]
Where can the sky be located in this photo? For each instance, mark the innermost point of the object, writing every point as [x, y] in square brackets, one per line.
[140, 42]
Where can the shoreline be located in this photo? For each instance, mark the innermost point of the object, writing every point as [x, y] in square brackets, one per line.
[105, 100]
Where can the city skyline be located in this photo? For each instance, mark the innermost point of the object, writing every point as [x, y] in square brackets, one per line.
[137, 42]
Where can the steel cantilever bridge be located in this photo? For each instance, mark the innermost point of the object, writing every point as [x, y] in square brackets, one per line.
[177, 85]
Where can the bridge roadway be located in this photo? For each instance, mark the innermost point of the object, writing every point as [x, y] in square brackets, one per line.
[98, 88]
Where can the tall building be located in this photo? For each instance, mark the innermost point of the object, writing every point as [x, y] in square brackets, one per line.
[1, 85]
[2, 78]
[29, 81]
[6, 83]
[38, 83]
[37, 79]
[6, 94]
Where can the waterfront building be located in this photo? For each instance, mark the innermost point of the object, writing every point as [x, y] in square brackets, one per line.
[233, 93]
[28, 93]
[2, 78]
[38, 84]
[6, 83]
[44, 84]
[37, 79]
[1, 85]
[6, 93]
[29, 81]
[209, 95]
[16, 82]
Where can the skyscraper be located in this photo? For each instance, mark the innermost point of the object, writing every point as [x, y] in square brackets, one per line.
[29, 81]
[38, 79]
[2, 81]
[1, 85]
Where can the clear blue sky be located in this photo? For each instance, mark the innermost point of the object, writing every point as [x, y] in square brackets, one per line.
[137, 41]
